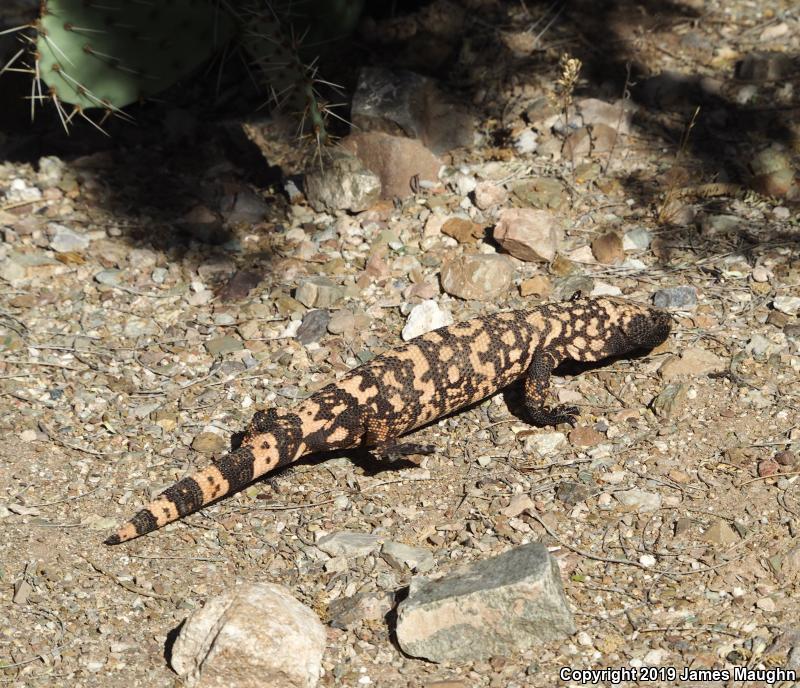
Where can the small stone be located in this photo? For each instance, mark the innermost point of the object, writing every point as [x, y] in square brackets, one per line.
[766, 604]
[764, 66]
[341, 322]
[572, 493]
[545, 443]
[313, 327]
[790, 305]
[712, 226]
[220, 346]
[647, 560]
[536, 286]
[398, 162]
[352, 612]
[463, 231]
[139, 327]
[28, 436]
[528, 234]
[616, 115]
[519, 503]
[671, 401]
[318, 292]
[253, 635]
[585, 437]
[768, 467]
[208, 443]
[637, 239]
[400, 556]
[65, 240]
[640, 500]
[692, 362]
[675, 297]
[607, 248]
[540, 193]
[240, 285]
[343, 183]
[720, 533]
[489, 195]
[499, 606]
[348, 543]
[774, 174]
[424, 317]
[785, 458]
[481, 277]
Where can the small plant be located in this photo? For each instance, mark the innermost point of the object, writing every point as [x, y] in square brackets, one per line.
[570, 71]
[668, 207]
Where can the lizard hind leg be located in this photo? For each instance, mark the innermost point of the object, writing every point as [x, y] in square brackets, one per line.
[384, 446]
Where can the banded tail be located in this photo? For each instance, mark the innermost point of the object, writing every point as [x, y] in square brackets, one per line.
[274, 440]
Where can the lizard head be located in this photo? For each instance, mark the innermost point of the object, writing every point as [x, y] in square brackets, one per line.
[642, 327]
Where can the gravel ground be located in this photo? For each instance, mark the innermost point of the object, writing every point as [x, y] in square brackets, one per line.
[147, 309]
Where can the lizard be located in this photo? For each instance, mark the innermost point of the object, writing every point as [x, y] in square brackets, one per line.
[428, 377]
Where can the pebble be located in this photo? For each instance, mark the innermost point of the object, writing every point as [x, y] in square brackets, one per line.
[717, 225]
[139, 327]
[639, 499]
[351, 612]
[253, 635]
[572, 493]
[478, 277]
[790, 305]
[720, 533]
[608, 249]
[65, 240]
[536, 286]
[343, 183]
[528, 234]
[617, 115]
[585, 437]
[540, 193]
[499, 606]
[545, 443]
[318, 292]
[647, 560]
[691, 363]
[313, 327]
[773, 173]
[637, 239]
[424, 317]
[209, 443]
[489, 195]
[348, 543]
[220, 346]
[462, 230]
[675, 297]
[341, 321]
[397, 161]
[401, 556]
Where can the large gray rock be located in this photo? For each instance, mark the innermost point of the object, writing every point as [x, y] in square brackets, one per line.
[494, 607]
[342, 182]
[254, 636]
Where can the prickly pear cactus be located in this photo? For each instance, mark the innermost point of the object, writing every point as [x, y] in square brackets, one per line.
[109, 53]
[285, 41]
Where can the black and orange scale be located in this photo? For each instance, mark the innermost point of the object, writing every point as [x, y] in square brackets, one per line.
[424, 379]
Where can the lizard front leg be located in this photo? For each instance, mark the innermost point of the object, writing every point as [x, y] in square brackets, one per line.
[384, 445]
[537, 384]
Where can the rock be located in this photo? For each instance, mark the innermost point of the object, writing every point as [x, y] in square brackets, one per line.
[240, 285]
[585, 437]
[616, 115]
[720, 533]
[488, 195]
[399, 556]
[528, 234]
[398, 162]
[254, 636]
[463, 231]
[220, 346]
[496, 607]
[774, 174]
[318, 292]
[314, 325]
[519, 503]
[718, 225]
[244, 206]
[481, 277]
[675, 297]
[790, 305]
[691, 363]
[526, 142]
[538, 285]
[545, 443]
[341, 322]
[671, 400]
[51, 170]
[208, 443]
[639, 499]
[785, 458]
[65, 240]
[351, 612]
[764, 66]
[401, 102]
[607, 248]
[346, 543]
[572, 493]
[424, 317]
[540, 193]
[343, 183]
[139, 327]
[637, 239]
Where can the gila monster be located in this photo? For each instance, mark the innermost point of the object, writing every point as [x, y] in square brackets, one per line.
[426, 378]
